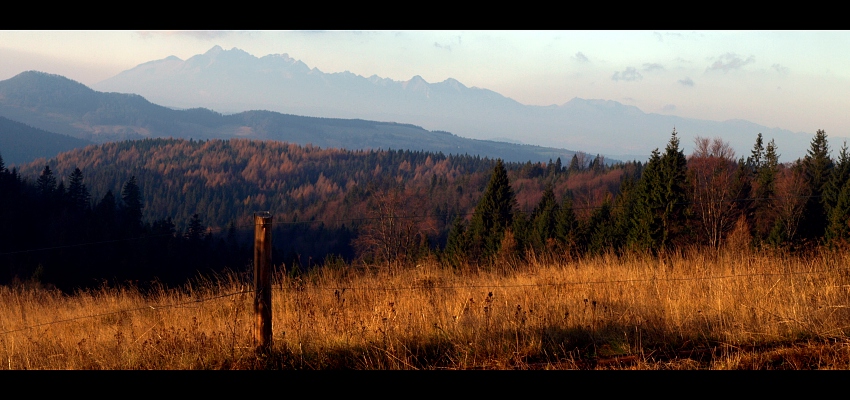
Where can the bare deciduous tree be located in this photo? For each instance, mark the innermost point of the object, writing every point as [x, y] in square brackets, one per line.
[712, 169]
[792, 193]
[395, 229]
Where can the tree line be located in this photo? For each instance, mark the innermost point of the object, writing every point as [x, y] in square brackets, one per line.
[166, 208]
[674, 201]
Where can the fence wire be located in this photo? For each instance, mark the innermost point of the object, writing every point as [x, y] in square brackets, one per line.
[281, 287]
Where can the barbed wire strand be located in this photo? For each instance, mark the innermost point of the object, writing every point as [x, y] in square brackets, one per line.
[429, 287]
[147, 307]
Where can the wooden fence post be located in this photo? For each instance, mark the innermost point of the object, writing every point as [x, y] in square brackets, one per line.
[262, 280]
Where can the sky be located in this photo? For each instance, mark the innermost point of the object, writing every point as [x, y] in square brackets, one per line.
[796, 80]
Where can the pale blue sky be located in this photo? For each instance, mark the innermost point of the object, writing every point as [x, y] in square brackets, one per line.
[795, 80]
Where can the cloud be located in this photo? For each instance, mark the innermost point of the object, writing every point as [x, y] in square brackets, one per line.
[728, 62]
[647, 67]
[629, 75]
[780, 69]
[686, 82]
[658, 35]
[580, 57]
[200, 35]
[668, 108]
[439, 46]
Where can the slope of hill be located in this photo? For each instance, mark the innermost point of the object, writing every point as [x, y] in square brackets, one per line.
[20, 143]
[58, 104]
[234, 81]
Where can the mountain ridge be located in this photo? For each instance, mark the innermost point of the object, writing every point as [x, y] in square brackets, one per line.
[58, 104]
[233, 81]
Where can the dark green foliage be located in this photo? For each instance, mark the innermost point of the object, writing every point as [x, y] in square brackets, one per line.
[493, 215]
[78, 195]
[566, 224]
[457, 244]
[817, 166]
[833, 187]
[544, 221]
[838, 228]
[836, 200]
[762, 209]
[661, 200]
[601, 230]
[754, 161]
[132, 210]
[46, 184]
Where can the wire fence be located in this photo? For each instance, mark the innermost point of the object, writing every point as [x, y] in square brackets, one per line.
[280, 287]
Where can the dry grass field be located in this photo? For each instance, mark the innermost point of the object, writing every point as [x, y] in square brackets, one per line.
[733, 310]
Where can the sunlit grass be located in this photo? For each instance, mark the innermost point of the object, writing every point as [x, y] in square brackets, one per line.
[712, 311]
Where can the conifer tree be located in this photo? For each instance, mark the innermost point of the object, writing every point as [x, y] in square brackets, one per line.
[46, 184]
[817, 166]
[764, 174]
[838, 228]
[543, 219]
[839, 176]
[566, 224]
[755, 159]
[661, 200]
[78, 195]
[600, 229]
[493, 214]
[457, 244]
[132, 210]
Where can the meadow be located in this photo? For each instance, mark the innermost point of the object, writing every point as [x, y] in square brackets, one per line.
[727, 309]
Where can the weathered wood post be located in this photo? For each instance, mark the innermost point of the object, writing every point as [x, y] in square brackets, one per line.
[262, 280]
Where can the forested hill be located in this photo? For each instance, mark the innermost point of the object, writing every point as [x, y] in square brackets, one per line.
[58, 104]
[188, 195]
[227, 180]
[20, 143]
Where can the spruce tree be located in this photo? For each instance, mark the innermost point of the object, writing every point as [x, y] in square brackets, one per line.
[838, 228]
[661, 210]
[839, 176]
[132, 210]
[46, 184]
[566, 224]
[457, 244]
[493, 214]
[543, 219]
[78, 195]
[817, 166]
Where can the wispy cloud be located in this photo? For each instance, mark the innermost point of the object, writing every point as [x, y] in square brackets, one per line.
[729, 61]
[200, 35]
[580, 57]
[647, 67]
[686, 82]
[446, 47]
[781, 69]
[630, 74]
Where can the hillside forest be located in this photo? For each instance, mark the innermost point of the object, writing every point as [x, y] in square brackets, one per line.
[166, 210]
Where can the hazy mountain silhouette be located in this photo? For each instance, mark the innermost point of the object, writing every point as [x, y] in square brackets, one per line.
[234, 81]
[58, 104]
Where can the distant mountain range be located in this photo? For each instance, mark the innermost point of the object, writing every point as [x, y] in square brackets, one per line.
[57, 104]
[233, 81]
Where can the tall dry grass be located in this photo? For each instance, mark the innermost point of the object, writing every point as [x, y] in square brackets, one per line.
[695, 310]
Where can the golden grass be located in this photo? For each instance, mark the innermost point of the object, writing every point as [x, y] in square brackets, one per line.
[735, 310]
